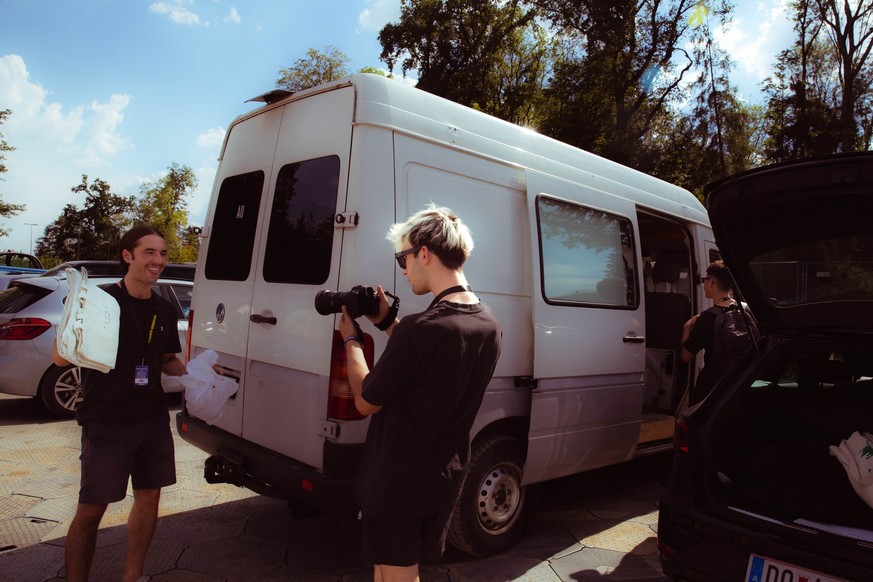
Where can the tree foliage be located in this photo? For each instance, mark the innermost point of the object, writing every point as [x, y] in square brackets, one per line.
[819, 97]
[7, 209]
[164, 205]
[316, 68]
[487, 55]
[92, 232]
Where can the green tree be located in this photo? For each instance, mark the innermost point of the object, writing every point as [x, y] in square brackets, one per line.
[484, 54]
[316, 68]
[163, 205]
[91, 232]
[848, 25]
[819, 97]
[621, 70]
[7, 209]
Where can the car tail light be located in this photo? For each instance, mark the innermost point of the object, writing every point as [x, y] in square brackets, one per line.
[681, 436]
[24, 328]
[188, 333]
[340, 399]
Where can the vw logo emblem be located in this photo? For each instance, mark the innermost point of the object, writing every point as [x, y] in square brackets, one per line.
[219, 312]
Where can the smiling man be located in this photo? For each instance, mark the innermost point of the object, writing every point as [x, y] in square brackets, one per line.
[124, 415]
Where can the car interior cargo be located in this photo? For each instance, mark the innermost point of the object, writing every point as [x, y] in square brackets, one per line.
[771, 446]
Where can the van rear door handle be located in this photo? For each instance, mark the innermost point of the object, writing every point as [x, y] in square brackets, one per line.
[633, 339]
[258, 318]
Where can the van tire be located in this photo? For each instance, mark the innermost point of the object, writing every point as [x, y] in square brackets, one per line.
[493, 509]
[61, 390]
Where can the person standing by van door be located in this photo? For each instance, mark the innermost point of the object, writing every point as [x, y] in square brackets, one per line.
[699, 332]
[423, 395]
[124, 415]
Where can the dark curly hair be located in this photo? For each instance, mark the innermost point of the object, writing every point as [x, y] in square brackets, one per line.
[130, 240]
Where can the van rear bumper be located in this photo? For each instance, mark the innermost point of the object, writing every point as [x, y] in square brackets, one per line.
[237, 461]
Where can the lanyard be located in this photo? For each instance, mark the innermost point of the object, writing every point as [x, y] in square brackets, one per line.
[449, 291]
[147, 339]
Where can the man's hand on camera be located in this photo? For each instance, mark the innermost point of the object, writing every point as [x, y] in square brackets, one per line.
[384, 305]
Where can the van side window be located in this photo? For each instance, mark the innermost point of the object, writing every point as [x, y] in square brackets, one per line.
[232, 241]
[300, 239]
[587, 255]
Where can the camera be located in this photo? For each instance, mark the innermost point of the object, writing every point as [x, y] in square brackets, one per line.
[361, 300]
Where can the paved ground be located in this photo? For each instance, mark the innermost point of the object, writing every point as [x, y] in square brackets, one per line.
[597, 526]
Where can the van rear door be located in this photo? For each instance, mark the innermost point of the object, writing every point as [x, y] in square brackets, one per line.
[224, 281]
[271, 246]
[289, 343]
[589, 329]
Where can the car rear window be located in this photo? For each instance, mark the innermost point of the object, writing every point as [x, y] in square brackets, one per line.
[18, 296]
[817, 271]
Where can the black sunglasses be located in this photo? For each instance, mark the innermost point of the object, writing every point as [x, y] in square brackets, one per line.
[401, 256]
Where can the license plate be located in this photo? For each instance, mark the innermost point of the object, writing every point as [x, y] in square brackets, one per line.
[763, 569]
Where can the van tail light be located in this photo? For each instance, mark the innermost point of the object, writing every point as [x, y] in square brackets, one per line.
[188, 333]
[23, 328]
[340, 399]
[681, 436]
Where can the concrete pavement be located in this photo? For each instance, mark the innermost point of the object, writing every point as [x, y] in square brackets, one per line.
[596, 526]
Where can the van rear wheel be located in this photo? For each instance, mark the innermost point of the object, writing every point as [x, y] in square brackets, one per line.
[493, 510]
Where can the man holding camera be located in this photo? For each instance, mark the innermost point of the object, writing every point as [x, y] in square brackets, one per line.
[423, 395]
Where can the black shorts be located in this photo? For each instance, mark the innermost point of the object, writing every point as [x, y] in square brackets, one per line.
[112, 452]
[393, 542]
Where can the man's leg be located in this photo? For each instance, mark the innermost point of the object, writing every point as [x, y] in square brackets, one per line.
[140, 529]
[382, 573]
[81, 540]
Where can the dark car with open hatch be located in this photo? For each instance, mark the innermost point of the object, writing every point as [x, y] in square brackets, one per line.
[773, 470]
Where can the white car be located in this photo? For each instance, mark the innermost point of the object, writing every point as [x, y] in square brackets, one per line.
[30, 310]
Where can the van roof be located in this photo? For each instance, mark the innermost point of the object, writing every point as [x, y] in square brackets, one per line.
[388, 103]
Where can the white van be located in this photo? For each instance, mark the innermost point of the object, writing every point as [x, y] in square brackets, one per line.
[591, 268]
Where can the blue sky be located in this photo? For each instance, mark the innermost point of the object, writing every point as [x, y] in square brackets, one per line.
[121, 89]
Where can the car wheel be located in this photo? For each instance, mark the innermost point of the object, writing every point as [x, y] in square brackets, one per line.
[494, 508]
[61, 390]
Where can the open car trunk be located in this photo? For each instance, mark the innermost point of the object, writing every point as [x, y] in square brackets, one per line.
[771, 444]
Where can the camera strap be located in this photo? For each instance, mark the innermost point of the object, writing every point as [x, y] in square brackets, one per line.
[392, 313]
[449, 291]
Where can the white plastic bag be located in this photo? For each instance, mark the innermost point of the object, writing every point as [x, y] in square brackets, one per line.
[205, 391]
[856, 455]
[87, 334]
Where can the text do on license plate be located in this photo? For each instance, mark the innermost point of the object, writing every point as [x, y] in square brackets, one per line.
[763, 569]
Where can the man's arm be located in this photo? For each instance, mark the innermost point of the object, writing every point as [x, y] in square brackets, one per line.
[172, 366]
[356, 365]
[686, 331]
[57, 360]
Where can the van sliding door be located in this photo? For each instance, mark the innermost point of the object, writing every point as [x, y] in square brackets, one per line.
[589, 324]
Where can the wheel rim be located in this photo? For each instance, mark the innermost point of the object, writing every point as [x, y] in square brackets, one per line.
[68, 389]
[501, 497]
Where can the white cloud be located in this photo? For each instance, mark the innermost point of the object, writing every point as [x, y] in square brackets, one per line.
[754, 46]
[32, 119]
[233, 17]
[176, 12]
[212, 138]
[103, 137]
[378, 13]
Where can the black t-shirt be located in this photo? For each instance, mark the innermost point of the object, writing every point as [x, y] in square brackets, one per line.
[114, 396]
[702, 337]
[430, 382]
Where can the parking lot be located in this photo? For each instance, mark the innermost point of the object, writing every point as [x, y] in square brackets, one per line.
[596, 526]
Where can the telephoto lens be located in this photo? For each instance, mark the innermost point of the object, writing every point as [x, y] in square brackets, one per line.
[361, 300]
